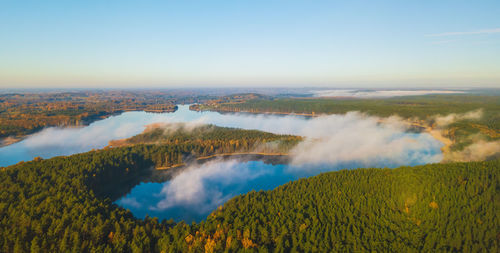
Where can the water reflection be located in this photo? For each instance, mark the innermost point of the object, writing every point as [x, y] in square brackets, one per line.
[55, 141]
[196, 191]
[334, 142]
[200, 189]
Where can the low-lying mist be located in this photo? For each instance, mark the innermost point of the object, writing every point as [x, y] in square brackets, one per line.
[378, 93]
[369, 141]
[444, 120]
[331, 142]
[338, 136]
[478, 149]
[199, 189]
[353, 137]
[191, 186]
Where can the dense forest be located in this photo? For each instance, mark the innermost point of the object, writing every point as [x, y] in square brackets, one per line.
[177, 143]
[64, 204]
[407, 107]
[436, 207]
[168, 133]
[423, 108]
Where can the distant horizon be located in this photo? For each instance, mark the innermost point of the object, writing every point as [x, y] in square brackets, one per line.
[399, 85]
[248, 89]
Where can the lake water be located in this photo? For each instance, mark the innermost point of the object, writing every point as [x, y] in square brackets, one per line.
[348, 134]
[199, 190]
[332, 142]
[56, 141]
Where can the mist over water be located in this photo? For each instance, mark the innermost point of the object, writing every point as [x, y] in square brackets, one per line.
[379, 93]
[365, 140]
[332, 142]
[200, 189]
[56, 141]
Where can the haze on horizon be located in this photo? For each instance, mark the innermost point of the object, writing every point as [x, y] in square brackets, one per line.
[123, 44]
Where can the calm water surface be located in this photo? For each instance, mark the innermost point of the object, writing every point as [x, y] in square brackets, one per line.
[197, 191]
[55, 141]
[348, 141]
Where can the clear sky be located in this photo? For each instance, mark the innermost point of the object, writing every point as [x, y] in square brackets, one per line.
[405, 44]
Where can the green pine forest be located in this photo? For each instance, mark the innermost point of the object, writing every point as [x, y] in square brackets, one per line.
[421, 108]
[175, 144]
[65, 204]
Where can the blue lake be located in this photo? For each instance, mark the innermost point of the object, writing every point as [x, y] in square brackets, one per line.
[332, 142]
[196, 191]
[56, 141]
[199, 190]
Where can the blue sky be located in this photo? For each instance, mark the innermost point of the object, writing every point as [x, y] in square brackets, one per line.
[404, 44]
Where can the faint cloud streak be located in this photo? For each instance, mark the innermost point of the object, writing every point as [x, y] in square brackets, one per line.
[482, 31]
[443, 42]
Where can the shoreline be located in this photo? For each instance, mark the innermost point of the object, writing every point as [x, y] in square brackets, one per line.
[9, 140]
[250, 155]
[438, 135]
[6, 141]
[435, 133]
[250, 112]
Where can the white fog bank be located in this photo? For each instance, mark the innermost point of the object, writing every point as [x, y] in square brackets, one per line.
[366, 140]
[353, 136]
[379, 93]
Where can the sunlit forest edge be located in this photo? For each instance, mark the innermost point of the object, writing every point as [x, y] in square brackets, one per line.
[65, 204]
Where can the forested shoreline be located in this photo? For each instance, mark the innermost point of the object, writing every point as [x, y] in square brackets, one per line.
[417, 110]
[66, 204]
[63, 204]
[249, 126]
[26, 113]
[406, 107]
[179, 143]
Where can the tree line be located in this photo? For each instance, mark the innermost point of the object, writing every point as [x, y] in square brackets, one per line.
[422, 108]
[63, 204]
